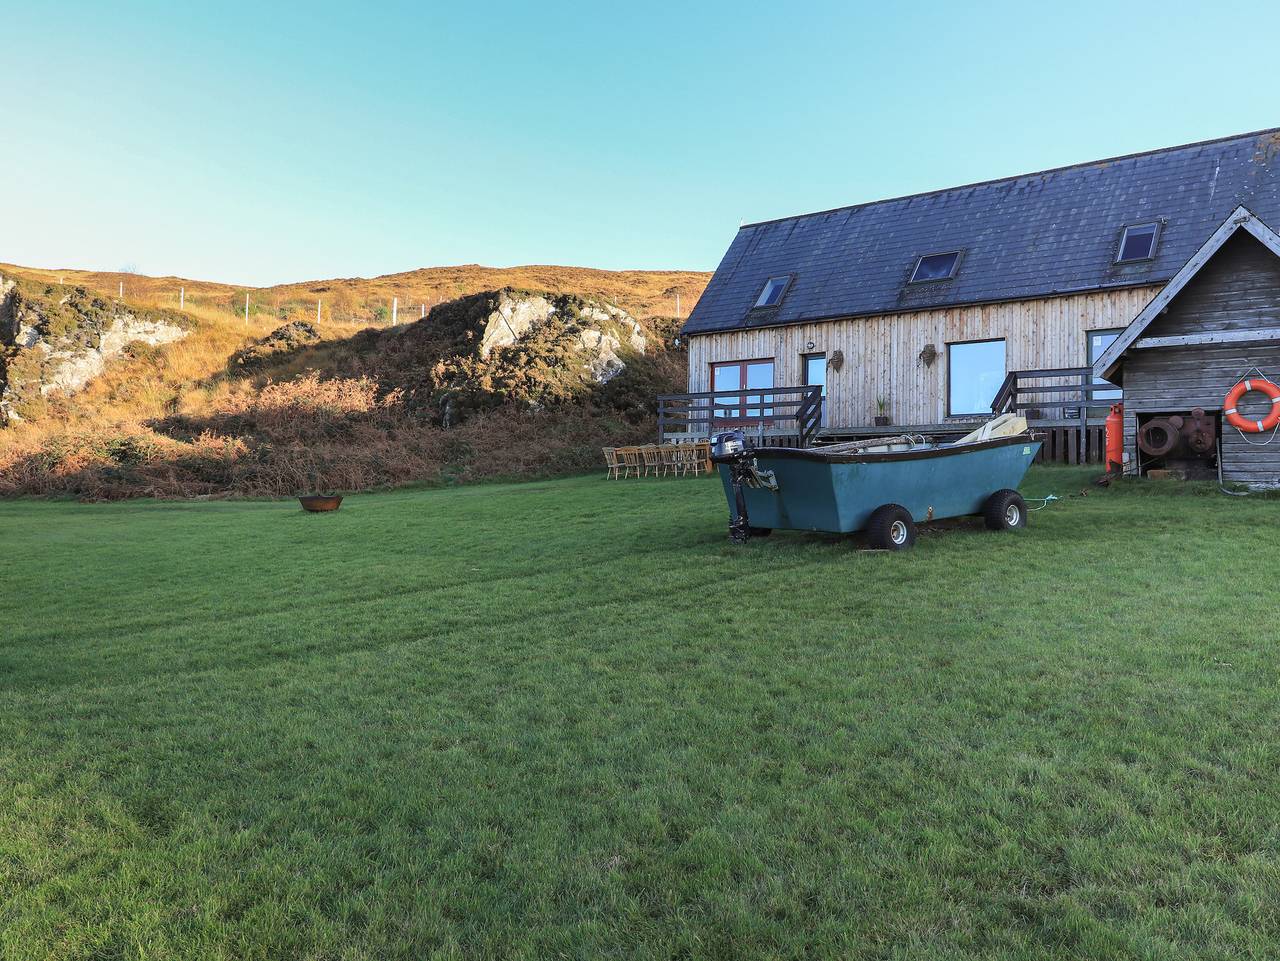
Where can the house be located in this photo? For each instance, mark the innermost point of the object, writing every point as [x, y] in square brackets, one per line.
[1214, 325]
[941, 304]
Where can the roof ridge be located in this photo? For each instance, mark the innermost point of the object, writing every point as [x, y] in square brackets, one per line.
[1033, 173]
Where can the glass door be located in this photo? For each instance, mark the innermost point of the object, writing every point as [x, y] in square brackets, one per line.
[815, 375]
[726, 377]
[758, 374]
[741, 375]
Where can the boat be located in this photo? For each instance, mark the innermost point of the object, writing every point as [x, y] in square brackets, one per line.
[882, 486]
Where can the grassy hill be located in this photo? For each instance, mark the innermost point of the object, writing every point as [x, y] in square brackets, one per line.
[359, 300]
[347, 410]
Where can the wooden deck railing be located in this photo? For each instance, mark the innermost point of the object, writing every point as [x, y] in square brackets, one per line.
[1068, 391]
[1072, 409]
[794, 412]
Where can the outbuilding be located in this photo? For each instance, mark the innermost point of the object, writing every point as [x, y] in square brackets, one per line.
[1213, 327]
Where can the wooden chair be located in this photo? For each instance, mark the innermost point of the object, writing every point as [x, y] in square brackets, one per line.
[630, 461]
[652, 459]
[670, 457]
[702, 456]
[688, 459]
[613, 462]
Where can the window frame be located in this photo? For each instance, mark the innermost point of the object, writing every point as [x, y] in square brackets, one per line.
[742, 418]
[805, 357]
[786, 288]
[1102, 396]
[955, 266]
[1155, 226]
[966, 343]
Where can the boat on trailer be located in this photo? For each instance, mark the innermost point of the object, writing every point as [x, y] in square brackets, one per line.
[883, 486]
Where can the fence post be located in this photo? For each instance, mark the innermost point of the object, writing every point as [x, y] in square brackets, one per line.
[246, 310]
[182, 298]
[395, 310]
[122, 290]
[1085, 380]
[318, 299]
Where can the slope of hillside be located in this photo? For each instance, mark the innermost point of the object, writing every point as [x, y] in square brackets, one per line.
[498, 383]
[56, 339]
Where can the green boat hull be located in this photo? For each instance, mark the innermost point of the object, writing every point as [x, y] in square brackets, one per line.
[838, 493]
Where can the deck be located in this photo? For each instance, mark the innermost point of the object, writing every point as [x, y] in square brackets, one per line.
[1064, 404]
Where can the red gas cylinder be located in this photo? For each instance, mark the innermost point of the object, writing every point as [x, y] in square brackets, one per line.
[1115, 439]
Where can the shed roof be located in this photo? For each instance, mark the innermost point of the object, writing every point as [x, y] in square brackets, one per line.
[1110, 365]
[1035, 235]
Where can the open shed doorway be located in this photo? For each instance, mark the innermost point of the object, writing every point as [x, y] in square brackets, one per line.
[1182, 443]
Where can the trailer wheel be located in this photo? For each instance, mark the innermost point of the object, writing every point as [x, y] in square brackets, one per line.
[1005, 511]
[891, 528]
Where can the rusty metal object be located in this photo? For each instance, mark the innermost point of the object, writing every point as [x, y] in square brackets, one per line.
[1157, 437]
[320, 503]
[1201, 432]
[1179, 435]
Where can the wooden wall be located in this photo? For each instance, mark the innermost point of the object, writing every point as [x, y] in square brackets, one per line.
[1238, 289]
[882, 353]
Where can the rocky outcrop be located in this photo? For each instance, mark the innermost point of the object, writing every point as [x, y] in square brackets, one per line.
[513, 317]
[534, 350]
[528, 350]
[58, 339]
[282, 341]
[602, 330]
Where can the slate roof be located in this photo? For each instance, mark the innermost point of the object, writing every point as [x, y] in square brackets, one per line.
[1035, 235]
[1110, 366]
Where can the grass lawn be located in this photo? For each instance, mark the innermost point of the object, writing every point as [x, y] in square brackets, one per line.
[570, 720]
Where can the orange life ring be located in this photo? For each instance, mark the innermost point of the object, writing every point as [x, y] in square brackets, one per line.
[1243, 423]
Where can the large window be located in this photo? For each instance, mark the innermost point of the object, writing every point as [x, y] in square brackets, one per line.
[1099, 341]
[742, 375]
[815, 375]
[975, 371]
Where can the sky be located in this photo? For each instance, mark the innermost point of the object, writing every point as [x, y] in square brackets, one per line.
[260, 143]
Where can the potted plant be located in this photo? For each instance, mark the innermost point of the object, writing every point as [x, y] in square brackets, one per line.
[882, 411]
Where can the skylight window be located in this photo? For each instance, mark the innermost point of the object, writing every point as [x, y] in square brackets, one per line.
[774, 288]
[1138, 243]
[936, 267]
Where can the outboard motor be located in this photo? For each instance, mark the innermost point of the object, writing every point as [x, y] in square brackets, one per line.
[727, 444]
[730, 448]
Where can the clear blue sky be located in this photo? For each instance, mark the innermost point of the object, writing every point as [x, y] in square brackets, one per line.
[259, 143]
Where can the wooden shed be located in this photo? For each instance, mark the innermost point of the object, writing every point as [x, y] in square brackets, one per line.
[1215, 324]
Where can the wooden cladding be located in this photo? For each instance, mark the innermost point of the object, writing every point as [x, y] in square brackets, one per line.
[885, 355]
[1219, 329]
